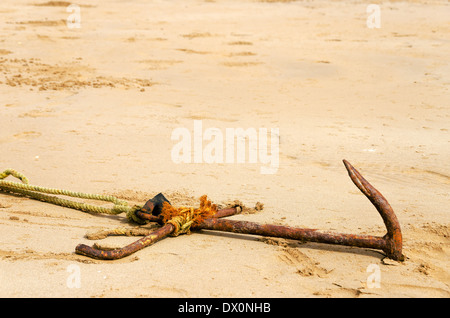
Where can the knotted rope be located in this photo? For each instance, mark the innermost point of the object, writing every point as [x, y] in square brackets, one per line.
[183, 218]
[36, 192]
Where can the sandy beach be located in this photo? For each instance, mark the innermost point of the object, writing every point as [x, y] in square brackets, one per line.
[92, 93]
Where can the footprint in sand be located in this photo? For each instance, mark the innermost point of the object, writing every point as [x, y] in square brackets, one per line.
[290, 255]
[305, 266]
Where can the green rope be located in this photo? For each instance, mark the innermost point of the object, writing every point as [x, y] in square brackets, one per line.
[36, 192]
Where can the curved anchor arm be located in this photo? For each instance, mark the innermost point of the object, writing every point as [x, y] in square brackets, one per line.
[393, 238]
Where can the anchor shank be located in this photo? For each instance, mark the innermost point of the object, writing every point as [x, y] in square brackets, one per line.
[287, 232]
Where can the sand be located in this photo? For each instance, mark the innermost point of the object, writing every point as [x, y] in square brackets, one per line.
[93, 109]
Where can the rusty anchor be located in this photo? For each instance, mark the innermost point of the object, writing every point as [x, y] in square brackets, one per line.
[390, 243]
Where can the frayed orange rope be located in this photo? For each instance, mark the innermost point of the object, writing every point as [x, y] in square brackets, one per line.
[183, 218]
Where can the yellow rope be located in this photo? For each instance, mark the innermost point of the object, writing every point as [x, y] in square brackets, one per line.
[36, 192]
[182, 222]
[181, 218]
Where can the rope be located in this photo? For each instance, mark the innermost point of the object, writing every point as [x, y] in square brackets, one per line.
[182, 222]
[183, 218]
[36, 192]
